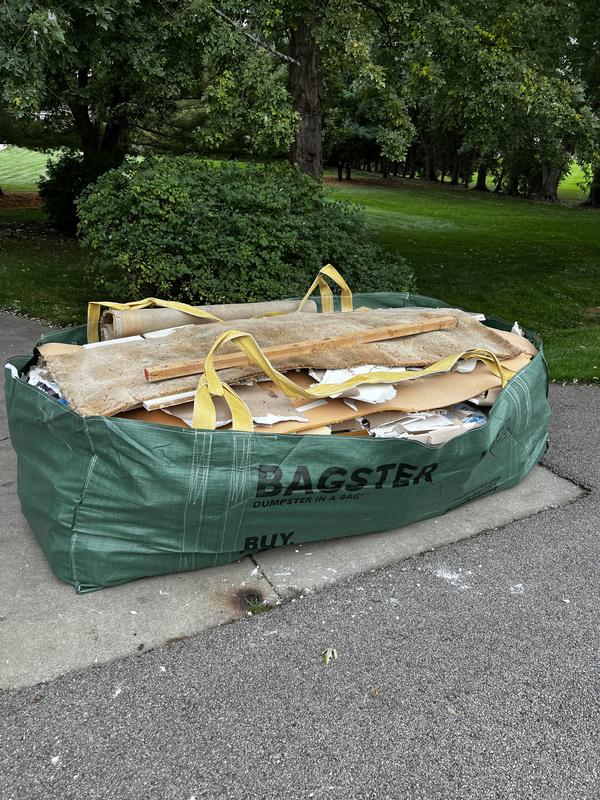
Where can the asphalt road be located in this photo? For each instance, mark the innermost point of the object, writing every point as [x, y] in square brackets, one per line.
[469, 672]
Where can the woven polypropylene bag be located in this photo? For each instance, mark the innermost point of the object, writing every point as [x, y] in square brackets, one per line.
[111, 500]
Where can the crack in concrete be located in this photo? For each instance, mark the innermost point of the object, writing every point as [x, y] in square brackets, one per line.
[264, 575]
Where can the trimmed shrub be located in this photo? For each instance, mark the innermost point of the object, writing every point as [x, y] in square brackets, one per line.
[66, 178]
[213, 232]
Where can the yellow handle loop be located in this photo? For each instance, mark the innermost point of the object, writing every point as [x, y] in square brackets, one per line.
[95, 307]
[205, 415]
[492, 362]
[326, 293]
[211, 385]
[443, 365]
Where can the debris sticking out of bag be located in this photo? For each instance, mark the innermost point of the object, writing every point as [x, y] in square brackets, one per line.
[430, 427]
[428, 362]
[105, 377]
[107, 380]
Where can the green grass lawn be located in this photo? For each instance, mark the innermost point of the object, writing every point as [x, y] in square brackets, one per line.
[570, 189]
[535, 263]
[20, 169]
[41, 276]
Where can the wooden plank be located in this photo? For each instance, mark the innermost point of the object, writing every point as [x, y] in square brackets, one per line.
[298, 348]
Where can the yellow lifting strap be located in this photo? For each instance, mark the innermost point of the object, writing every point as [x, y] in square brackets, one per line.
[326, 294]
[325, 291]
[211, 385]
[95, 308]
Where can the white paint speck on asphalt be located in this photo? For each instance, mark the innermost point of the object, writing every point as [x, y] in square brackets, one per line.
[453, 578]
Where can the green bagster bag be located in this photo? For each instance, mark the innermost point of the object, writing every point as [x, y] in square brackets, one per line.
[111, 499]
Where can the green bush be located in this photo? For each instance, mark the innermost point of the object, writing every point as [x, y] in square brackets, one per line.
[66, 178]
[212, 232]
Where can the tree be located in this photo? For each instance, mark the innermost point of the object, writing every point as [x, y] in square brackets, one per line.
[584, 55]
[105, 64]
[487, 86]
[326, 47]
[166, 73]
[509, 87]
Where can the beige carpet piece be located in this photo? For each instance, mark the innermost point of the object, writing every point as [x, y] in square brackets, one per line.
[110, 379]
[118, 324]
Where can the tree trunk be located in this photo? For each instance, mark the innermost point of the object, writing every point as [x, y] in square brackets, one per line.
[115, 130]
[499, 182]
[95, 142]
[455, 172]
[408, 159]
[385, 172]
[348, 170]
[430, 169]
[413, 166]
[304, 86]
[89, 134]
[340, 174]
[481, 185]
[467, 172]
[513, 185]
[88, 130]
[593, 200]
[550, 181]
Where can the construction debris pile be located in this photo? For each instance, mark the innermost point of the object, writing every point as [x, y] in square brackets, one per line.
[426, 375]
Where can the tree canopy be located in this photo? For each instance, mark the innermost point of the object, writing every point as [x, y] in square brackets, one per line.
[507, 88]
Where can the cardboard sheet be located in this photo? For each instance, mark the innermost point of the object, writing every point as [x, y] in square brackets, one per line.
[159, 417]
[420, 394]
[324, 430]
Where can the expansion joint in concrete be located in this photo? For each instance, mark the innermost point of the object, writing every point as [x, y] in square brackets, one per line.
[265, 577]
